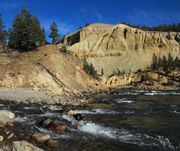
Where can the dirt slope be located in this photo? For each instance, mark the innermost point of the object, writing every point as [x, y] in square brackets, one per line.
[45, 68]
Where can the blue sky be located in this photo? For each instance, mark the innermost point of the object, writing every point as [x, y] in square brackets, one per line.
[71, 14]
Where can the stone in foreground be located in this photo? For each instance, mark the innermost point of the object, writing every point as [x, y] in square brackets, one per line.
[24, 146]
[6, 118]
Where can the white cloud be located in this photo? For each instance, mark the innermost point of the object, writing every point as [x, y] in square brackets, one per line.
[98, 15]
[63, 27]
[91, 14]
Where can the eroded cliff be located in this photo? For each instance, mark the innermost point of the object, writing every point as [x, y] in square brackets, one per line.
[120, 47]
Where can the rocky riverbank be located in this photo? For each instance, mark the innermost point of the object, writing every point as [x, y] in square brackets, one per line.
[29, 96]
[6, 134]
[11, 141]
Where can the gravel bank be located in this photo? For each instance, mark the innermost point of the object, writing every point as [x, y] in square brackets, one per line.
[29, 96]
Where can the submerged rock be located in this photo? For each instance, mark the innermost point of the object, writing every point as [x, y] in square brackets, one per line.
[78, 117]
[53, 143]
[6, 118]
[40, 137]
[44, 123]
[24, 146]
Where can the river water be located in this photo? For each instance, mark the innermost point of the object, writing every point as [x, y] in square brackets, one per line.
[130, 120]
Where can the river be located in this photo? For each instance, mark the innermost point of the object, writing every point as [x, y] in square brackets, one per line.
[129, 120]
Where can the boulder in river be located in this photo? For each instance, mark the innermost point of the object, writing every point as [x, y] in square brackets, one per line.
[56, 126]
[6, 118]
[71, 112]
[77, 116]
[24, 146]
[40, 137]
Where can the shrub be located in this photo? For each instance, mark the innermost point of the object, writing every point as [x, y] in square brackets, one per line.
[90, 70]
[166, 63]
[63, 49]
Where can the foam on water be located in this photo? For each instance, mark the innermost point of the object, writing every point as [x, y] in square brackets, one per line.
[54, 107]
[97, 111]
[48, 114]
[123, 100]
[30, 108]
[129, 112]
[125, 136]
[70, 119]
[176, 112]
[95, 129]
[122, 135]
[21, 119]
[1, 105]
[147, 92]
[128, 93]
[151, 93]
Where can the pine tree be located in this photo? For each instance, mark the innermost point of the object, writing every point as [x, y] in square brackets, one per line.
[54, 32]
[26, 32]
[2, 31]
[154, 65]
[42, 36]
[87, 24]
[159, 62]
[170, 61]
[39, 33]
[8, 33]
[102, 72]
[164, 64]
[176, 63]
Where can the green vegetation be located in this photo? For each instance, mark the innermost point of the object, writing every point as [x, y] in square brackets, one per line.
[118, 72]
[102, 72]
[26, 32]
[147, 77]
[54, 32]
[63, 49]
[175, 27]
[2, 31]
[87, 24]
[90, 70]
[165, 64]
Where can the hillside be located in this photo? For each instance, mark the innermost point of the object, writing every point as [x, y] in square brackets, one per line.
[46, 68]
[110, 48]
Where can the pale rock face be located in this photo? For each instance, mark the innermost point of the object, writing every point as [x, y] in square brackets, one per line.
[112, 47]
